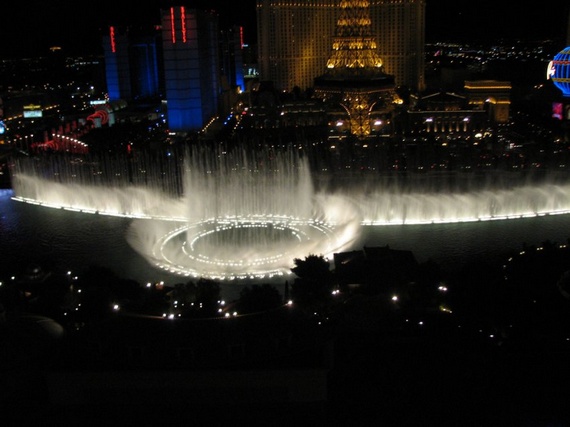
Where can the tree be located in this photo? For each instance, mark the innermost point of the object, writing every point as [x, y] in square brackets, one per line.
[184, 293]
[315, 281]
[208, 296]
[312, 268]
[258, 298]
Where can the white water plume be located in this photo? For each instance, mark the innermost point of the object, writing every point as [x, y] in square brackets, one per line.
[240, 214]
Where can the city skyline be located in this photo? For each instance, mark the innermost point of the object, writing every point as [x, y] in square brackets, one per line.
[31, 27]
[177, 237]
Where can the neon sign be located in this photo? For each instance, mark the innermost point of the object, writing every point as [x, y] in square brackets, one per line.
[183, 21]
[172, 28]
[112, 37]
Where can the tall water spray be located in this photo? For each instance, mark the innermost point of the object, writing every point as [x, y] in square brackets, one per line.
[140, 188]
[223, 184]
[243, 214]
[249, 215]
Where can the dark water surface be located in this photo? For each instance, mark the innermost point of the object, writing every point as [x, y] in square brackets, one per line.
[64, 240]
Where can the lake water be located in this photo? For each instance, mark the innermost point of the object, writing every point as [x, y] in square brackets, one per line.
[64, 240]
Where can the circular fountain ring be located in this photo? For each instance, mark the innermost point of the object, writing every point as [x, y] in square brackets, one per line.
[259, 246]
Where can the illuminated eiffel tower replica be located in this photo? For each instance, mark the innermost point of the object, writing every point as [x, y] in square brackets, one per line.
[354, 79]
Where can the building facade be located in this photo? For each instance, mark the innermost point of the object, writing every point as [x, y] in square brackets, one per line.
[295, 39]
[399, 27]
[144, 59]
[231, 57]
[491, 95]
[444, 113]
[191, 67]
[354, 83]
[117, 67]
[231, 68]
[132, 68]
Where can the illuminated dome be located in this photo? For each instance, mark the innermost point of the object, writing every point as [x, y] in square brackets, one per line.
[559, 71]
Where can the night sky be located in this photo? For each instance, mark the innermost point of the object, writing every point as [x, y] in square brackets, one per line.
[30, 27]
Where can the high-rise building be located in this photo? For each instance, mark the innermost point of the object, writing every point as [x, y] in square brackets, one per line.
[191, 67]
[231, 57]
[145, 67]
[131, 63]
[399, 27]
[232, 82]
[294, 39]
[117, 67]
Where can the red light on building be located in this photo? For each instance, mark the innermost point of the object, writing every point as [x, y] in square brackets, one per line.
[112, 38]
[172, 28]
[183, 21]
[241, 43]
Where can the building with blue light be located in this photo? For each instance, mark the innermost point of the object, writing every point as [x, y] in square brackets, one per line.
[131, 63]
[190, 42]
[144, 63]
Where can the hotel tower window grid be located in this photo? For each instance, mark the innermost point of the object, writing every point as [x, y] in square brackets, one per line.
[286, 29]
[191, 67]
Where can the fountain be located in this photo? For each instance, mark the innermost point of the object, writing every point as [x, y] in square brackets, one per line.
[239, 215]
[247, 217]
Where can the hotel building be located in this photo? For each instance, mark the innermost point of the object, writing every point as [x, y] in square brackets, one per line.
[190, 41]
[295, 39]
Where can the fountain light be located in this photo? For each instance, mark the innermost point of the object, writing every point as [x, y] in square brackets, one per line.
[236, 216]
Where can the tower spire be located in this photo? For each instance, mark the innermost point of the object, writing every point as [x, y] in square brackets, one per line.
[354, 79]
[354, 48]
